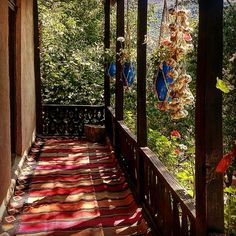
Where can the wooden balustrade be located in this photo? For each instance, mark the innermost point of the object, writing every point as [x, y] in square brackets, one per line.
[127, 147]
[110, 124]
[70, 119]
[168, 206]
[171, 208]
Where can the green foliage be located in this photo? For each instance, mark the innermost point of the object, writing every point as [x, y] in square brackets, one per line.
[71, 51]
[223, 86]
[229, 111]
[230, 210]
[163, 147]
[229, 100]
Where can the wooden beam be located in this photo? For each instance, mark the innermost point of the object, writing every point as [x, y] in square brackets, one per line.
[119, 92]
[37, 70]
[141, 73]
[141, 92]
[107, 97]
[209, 185]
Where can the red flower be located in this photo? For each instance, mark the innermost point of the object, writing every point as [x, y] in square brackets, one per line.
[175, 133]
[187, 37]
[166, 42]
[177, 152]
[224, 163]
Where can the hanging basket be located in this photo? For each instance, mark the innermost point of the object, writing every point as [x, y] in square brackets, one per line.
[128, 73]
[162, 81]
[111, 71]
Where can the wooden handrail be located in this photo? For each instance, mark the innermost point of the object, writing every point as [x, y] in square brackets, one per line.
[129, 133]
[171, 183]
[168, 207]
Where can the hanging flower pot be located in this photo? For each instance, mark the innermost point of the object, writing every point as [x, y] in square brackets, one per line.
[161, 87]
[128, 73]
[171, 84]
[109, 59]
[162, 82]
[111, 71]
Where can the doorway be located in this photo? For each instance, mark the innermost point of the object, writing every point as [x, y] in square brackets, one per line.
[12, 74]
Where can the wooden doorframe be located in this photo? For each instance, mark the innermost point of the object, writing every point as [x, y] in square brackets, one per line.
[12, 74]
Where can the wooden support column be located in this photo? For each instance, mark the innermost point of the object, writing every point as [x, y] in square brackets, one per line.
[119, 83]
[106, 45]
[141, 74]
[39, 124]
[141, 90]
[209, 184]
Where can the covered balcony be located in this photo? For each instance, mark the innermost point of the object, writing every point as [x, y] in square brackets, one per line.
[64, 182]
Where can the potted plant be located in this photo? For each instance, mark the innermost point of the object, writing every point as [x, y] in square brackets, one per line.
[110, 58]
[126, 57]
[171, 83]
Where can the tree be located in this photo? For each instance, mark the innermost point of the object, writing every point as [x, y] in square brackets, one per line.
[71, 51]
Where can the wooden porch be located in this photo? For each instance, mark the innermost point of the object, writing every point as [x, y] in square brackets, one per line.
[166, 206]
[70, 186]
[60, 158]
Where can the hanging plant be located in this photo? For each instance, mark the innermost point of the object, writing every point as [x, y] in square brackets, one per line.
[128, 73]
[171, 83]
[127, 54]
[110, 58]
[111, 71]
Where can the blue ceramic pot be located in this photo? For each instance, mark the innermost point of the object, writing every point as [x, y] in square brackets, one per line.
[111, 71]
[162, 82]
[128, 73]
[166, 69]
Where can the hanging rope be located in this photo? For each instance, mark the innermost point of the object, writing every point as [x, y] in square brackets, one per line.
[128, 36]
[164, 19]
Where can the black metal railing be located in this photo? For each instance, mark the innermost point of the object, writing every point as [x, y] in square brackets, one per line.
[70, 119]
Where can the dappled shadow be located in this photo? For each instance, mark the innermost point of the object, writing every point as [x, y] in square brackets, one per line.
[75, 190]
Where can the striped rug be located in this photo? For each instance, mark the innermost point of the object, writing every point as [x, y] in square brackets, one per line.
[72, 187]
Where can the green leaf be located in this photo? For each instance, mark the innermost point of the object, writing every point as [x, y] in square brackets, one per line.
[221, 85]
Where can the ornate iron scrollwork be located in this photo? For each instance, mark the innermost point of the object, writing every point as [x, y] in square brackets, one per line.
[70, 119]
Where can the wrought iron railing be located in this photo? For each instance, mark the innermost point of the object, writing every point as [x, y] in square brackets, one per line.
[70, 119]
[168, 206]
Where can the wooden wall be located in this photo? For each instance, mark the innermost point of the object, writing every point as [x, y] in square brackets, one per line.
[25, 88]
[26, 76]
[5, 153]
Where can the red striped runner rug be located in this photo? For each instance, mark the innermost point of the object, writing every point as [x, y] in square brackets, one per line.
[72, 187]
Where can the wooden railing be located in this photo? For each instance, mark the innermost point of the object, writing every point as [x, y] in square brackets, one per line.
[166, 203]
[127, 150]
[110, 124]
[171, 208]
[70, 119]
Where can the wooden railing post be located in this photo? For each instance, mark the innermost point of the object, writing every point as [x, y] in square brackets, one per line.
[37, 70]
[141, 89]
[106, 46]
[209, 184]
